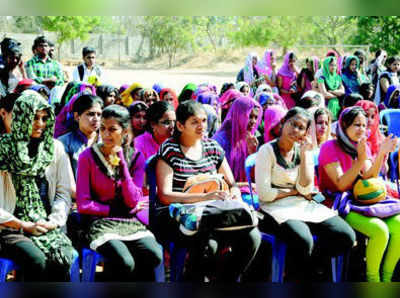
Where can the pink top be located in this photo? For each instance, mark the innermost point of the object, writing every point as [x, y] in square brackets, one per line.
[95, 190]
[331, 152]
[287, 98]
[146, 144]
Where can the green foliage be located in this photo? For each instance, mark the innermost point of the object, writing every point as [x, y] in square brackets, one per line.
[252, 31]
[168, 34]
[380, 32]
[70, 27]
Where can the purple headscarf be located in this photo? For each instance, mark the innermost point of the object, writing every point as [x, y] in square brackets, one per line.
[228, 96]
[285, 69]
[232, 134]
[272, 116]
[208, 98]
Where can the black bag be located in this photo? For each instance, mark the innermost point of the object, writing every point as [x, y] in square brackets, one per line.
[217, 215]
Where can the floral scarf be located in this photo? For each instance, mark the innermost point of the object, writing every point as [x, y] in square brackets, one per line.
[24, 170]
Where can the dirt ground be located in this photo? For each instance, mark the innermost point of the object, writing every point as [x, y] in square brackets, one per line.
[173, 78]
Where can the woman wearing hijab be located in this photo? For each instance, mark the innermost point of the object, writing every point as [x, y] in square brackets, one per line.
[330, 85]
[341, 163]
[236, 135]
[272, 122]
[307, 74]
[351, 76]
[267, 67]
[392, 100]
[287, 75]
[250, 72]
[108, 94]
[212, 120]
[42, 180]
[387, 78]
[243, 88]
[226, 101]
[149, 96]
[131, 94]
[169, 95]
[187, 92]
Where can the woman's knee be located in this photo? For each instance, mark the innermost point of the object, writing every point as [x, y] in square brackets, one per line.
[299, 238]
[379, 230]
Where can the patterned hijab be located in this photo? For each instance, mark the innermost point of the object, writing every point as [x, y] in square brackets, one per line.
[14, 158]
[264, 65]
[332, 79]
[248, 71]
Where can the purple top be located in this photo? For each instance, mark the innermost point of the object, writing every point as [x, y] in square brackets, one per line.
[95, 190]
[146, 144]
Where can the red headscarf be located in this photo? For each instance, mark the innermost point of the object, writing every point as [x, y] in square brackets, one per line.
[375, 137]
[173, 94]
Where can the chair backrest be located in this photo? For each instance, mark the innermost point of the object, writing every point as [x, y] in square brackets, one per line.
[249, 164]
[391, 117]
[151, 180]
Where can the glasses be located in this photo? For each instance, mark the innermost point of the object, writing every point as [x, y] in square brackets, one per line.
[168, 122]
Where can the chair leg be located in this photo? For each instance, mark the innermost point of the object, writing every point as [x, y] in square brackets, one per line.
[74, 271]
[160, 269]
[178, 256]
[90, 259]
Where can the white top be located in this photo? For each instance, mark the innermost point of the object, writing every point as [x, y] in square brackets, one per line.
[95, 71]
[61, 184]
[268, 172]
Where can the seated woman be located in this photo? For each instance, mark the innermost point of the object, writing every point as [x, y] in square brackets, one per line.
[272, 120]
[330, 86]
[237, 136]
[285, 182]
[149, 96]
[392, 97]
[38, 196]
[226, 101]
[169, 95]
[188, 149]
[187, 92]
[108, 94]
[307, 75]
[107, 191]
[287, 75]
[387, 78]
[341, 163]
[323, 122]
[137, 111]
[87, 113]
[351, 75]
[160, 119]
[267, 67]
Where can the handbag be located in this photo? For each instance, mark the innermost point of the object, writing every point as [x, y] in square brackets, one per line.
[215, 215]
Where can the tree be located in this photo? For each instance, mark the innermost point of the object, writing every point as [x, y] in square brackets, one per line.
[252, 31]
[380, 32]
[70, 27]
[168, 34]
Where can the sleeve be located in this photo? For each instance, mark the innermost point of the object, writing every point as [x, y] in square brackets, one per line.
[7, 195]
[130, 192]
[59, 74]
[219, 152]
[263, 173]
[65, 184]
[86, 205]
[138, 170]
[30, 72]
[163, 153]
[305, 190]
[75, 75]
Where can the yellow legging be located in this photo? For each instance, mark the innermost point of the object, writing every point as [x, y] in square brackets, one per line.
[383, 234]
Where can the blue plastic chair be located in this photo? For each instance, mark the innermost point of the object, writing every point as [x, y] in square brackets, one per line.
[279, 247]
[177, 254]
[7, 265]
[392, 119]
[91, 258]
